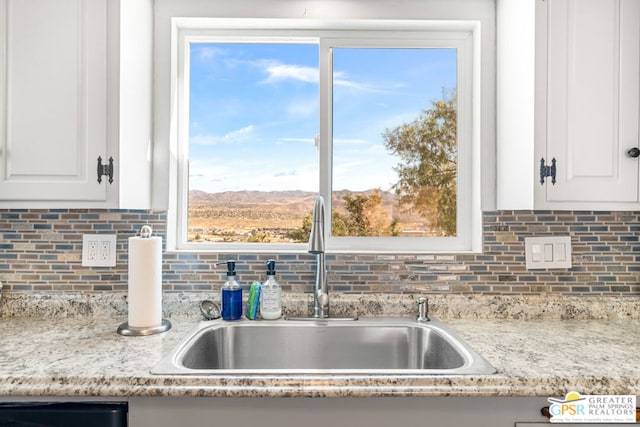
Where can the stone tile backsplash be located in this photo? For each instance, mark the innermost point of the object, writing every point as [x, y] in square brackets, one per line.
[40, 250]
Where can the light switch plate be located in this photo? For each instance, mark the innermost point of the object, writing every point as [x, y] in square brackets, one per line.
[548, 252]
[98, 250]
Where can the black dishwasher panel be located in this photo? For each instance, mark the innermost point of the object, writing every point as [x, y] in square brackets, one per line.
[57, 414]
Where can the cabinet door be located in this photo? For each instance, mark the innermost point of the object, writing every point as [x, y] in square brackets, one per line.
[53, 80]
[592, 99]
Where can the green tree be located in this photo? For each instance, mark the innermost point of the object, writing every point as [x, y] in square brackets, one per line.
[365, 217]
[302, 233]
[357, 223]
[427, 172]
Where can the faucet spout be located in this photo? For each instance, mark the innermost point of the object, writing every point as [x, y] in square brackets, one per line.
[316, 238]
[316, 246]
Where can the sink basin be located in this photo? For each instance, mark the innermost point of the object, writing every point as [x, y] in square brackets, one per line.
[367, 346]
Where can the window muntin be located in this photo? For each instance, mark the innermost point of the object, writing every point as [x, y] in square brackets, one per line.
[460, 41]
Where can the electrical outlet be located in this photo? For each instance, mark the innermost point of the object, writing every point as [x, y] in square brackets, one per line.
[105, 250]
[93, 250]
[98, 250]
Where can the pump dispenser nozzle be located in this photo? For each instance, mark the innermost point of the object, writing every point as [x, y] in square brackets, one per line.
[231, 268]
[271, 267]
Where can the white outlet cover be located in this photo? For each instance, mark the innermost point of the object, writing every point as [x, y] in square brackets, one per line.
[98, 250]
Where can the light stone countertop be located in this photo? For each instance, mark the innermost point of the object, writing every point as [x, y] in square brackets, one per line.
[84, 356]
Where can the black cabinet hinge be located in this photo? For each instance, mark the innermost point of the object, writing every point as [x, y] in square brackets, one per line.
[105, 170]
[546, 171]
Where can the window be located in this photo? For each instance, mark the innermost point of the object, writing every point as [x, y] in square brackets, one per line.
[377, 119]
[253, 118]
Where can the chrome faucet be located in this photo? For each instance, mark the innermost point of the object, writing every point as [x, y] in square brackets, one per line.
[316, 246]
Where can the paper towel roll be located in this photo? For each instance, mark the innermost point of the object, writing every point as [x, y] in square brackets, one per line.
[145, 281]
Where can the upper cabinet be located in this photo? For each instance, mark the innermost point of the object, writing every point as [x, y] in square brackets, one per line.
[75, 77]
[568, 76]
[587, 114]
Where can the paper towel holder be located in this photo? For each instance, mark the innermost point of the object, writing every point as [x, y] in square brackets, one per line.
[133, 331]
[138, 331]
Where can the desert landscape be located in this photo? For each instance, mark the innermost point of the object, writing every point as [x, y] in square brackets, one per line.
[237, 216]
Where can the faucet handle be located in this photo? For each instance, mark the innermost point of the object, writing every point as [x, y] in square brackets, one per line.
[423, 309]
[323, 298]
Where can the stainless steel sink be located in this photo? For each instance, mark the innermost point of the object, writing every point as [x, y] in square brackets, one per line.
[368, 346]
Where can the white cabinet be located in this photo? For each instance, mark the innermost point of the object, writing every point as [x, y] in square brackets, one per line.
[75, 77]
[587, 103]
[54, 118]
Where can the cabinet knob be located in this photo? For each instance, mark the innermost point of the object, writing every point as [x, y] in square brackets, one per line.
[633, 152]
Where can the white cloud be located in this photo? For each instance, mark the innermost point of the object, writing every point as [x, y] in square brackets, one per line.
[286, 173]
[234, 137]
[341, 79]
[238, 135]
[207, 53]
[278, 72]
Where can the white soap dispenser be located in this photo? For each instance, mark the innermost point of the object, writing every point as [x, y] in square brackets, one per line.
[271, 295]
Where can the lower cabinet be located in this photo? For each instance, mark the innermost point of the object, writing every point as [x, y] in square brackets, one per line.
[311, 412]
[322, 412]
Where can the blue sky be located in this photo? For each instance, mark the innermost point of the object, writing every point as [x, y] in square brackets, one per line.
[254, 113]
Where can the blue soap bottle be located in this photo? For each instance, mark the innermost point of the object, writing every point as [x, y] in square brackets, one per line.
[231, 295]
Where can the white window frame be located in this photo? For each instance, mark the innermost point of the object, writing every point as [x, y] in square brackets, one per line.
[462, 35]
